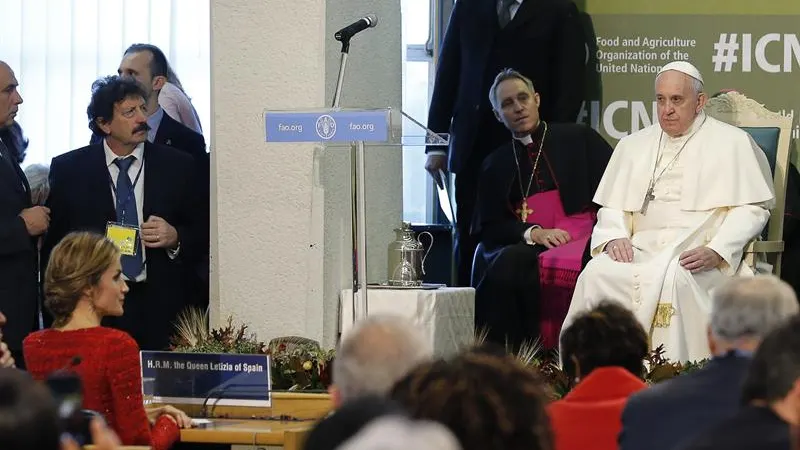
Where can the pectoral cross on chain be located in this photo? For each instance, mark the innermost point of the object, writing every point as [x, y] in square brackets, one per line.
[523, 211]
[648, 197]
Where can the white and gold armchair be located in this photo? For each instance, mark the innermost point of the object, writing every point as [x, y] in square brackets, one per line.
[772, 132]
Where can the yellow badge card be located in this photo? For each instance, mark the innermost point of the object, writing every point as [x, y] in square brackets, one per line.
[124, 236]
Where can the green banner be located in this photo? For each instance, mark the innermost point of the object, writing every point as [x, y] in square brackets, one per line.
[706, 7]
[759, 58]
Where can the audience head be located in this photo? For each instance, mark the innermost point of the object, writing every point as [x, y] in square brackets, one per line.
[28, 414]
[9, 96]
[679, 97]
[147, 65]
[515, 102]
[604, 336]
[400, 433]
[348, 420]
[774, 375]
[745, 309]
[117, 110]
[377, 352]
[38, 179]
[488, 401]
[84, 276]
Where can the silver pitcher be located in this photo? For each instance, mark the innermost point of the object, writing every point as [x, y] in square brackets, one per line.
[407, 257]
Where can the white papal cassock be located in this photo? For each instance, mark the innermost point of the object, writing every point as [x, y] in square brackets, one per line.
[717, 193]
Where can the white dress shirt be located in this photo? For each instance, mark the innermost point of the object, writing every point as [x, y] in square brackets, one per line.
[138, 189]
[512, 9]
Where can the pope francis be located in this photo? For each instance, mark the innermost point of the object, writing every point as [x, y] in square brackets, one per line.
[679, 202]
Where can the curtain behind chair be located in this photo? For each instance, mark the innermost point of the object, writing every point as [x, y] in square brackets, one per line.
[58, 47]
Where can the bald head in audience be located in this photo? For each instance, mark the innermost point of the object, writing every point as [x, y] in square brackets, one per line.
[745, 309]
[376, 353]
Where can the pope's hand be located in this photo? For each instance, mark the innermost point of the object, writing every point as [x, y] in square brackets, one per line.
[620, 250]
[700, 259]
[550, 237]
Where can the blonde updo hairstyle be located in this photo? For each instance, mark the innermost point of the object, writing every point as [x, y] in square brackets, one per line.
[76, 264]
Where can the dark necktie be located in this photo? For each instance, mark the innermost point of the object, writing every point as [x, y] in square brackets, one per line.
[127, 214]
[505, 12]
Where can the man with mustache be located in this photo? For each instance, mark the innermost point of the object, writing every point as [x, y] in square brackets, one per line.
[142, 196]
[20, 224]
[148, 66]
[534, 216]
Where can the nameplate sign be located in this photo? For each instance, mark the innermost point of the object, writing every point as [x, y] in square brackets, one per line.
[338, 126]
[206, 378]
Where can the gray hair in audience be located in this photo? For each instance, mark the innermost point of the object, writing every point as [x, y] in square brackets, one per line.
[397, 432]
[38, 179]
[377, 352]
[507, 74]
[749, 307]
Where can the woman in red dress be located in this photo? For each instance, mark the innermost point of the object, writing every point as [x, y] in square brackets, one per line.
[603, 351]
[83, 283]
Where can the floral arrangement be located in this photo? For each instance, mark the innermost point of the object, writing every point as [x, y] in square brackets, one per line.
[546, 364]
[301, 364]
[296, 363]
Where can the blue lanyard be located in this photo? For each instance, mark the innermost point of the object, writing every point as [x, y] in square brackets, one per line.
[130, 194]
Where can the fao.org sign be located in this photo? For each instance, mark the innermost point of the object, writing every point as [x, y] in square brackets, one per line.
[328, 126]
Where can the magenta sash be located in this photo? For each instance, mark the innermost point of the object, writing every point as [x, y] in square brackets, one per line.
[558, 267]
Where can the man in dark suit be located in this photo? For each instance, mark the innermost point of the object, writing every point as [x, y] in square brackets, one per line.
[768, 419]
[148, 65]
[541, 39]
[142, 190]
[668, 414]
[20, 224]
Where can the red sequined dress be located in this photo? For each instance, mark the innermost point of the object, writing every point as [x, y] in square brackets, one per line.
[111, 373]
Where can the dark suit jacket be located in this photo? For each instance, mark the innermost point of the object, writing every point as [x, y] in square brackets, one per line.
[80, 200]
[177, 135]
[749, 428]
[544, 42]
[672, 412]
[18, 258]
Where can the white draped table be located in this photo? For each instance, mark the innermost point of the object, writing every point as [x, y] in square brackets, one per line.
[447, 315]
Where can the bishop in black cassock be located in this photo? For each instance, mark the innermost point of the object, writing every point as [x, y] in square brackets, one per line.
[534, 217]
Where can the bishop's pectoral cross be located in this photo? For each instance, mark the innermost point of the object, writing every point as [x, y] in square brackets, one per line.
[523, 212]
[648, 197]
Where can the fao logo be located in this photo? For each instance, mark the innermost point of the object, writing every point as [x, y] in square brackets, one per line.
[326, 127]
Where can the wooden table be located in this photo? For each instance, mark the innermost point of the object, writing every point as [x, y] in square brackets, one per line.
[290, 435]
[246, 426]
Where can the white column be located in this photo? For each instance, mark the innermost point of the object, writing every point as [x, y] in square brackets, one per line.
[280, 212]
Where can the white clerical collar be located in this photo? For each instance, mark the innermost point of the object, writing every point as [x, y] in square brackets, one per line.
[526, 140]
[692, 129]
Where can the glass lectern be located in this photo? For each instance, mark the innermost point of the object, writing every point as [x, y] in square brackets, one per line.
[337, 130]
